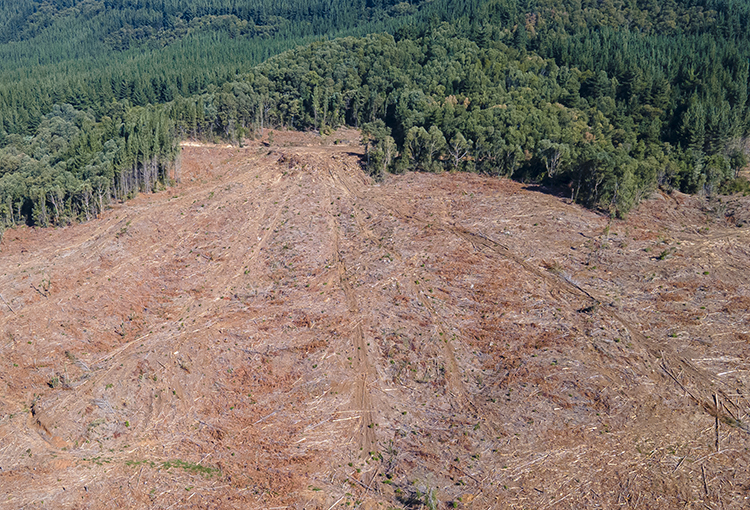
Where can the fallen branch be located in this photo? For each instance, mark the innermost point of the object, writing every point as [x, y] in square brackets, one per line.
[357, 482]
[39, 291]
[7, 304]
[266, 416]
[336, 503]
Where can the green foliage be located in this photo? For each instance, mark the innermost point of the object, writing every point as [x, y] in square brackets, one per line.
[191, 467]
[79, 78]
[602, 100]
[423, 149]
[579, 102]
[74, 165]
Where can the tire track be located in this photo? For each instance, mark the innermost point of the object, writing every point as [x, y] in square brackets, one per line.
[162, 347]
[362, 400]
[694, 381]
[264, 238]
[455, 383]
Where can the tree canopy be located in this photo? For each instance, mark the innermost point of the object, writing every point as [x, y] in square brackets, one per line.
[606, 98]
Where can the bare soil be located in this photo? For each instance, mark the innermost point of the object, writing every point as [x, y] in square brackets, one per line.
[279, 331]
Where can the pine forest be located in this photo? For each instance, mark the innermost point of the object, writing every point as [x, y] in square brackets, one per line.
[607, 100]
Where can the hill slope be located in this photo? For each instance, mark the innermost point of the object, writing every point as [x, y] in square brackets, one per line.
[279, 330]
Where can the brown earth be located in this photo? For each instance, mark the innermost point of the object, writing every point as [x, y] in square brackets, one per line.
[278, 331]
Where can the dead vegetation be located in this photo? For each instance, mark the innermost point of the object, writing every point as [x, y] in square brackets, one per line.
[281, 332]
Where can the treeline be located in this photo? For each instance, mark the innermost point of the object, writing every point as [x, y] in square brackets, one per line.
[605, 98]
[610, 115]
[87, 86]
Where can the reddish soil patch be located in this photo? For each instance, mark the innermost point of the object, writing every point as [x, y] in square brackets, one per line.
[278, 331]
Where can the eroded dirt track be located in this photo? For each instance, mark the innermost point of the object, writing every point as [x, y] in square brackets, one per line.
[279, 331]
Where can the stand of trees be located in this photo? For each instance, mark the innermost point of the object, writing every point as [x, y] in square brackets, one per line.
[610, 114]
[75, 165]
[89, 89]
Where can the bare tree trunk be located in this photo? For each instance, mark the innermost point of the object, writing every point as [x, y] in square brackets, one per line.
[552, 162]
[55, 203]
[100, 193]
[120, 194]
[85, 200]
[43, 208]
[176, 167]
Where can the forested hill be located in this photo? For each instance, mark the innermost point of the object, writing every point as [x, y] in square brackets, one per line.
[89, 52]
[83, 85]
[608, 98]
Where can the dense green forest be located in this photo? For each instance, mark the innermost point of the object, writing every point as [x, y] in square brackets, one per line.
[86, 86]
[607, 99]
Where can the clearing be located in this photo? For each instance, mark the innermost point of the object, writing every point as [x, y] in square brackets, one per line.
[279, 331]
